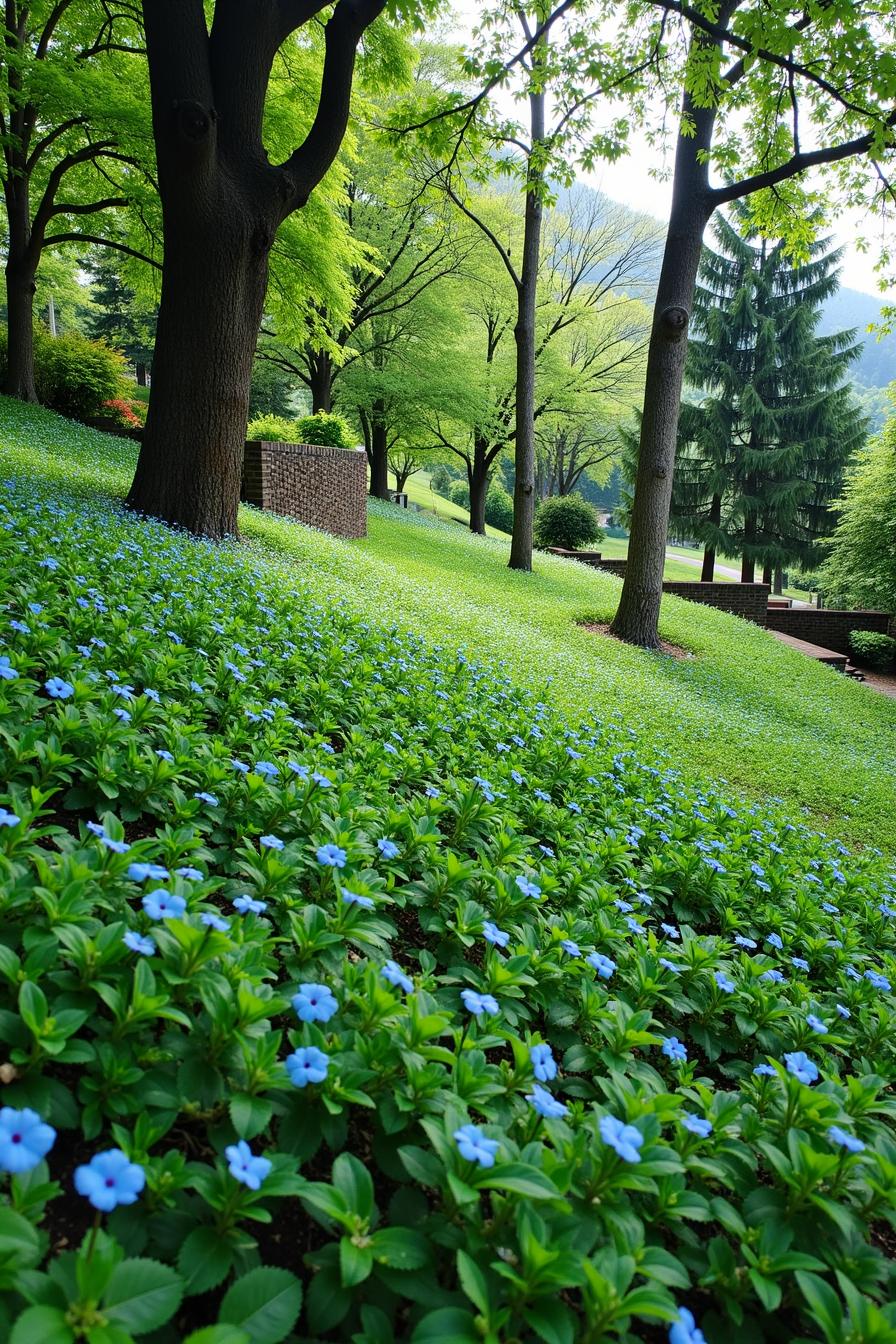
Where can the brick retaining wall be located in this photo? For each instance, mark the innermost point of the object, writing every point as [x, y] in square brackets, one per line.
[829, 629]
[319, 486]
[748, 600]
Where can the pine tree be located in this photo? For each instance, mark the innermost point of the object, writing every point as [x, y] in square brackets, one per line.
[117, 317]
[761, 456]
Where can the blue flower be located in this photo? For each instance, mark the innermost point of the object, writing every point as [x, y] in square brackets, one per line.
[116, 846]
[355, 898]
[765, 1071]
[546, 1105]
[24, 1139]
[479, 1004]
[164, 755]
[331, 856]
[829, 908]
[670, 966]
[623, 1139]
[266, 769]
[528, 888]
[816, 1023]
[271, 842]
[162, 904]
[724, 982]
[7, 673]
[492, 934]
[110, 1179]
[540, 793]
[800, 963]
[845, 1140]
[388, 848]
[696, 1124]
[878, 981]
[603, 965]
[307, 1065]
[58, 689]
[800, 1065]
[773, 975]
[147, 872]
[544, 1066]
[775, 941]
[744, 942]
[244, 1167]
[239, 766]
[314, 1003]
[392, 972]
[212, 921]
[685, 1331]
[190, 874]
[145, 946]
[673, 1049]
[572, 949]
[432, 792]
[8, 818]
[474, 1146]
[247, 906]
[843, 1012]
[209, 798]
[670, 931]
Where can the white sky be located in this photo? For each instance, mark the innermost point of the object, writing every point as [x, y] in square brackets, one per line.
[630, 181]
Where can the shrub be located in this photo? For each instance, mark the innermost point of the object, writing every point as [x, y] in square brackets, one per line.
[873, 648]
[568, 521]
[440, 480]
[272, 429]
[124, 412]
[861, 568]
[73, 375]
[499, 508]
[332, 431]
[459, 493]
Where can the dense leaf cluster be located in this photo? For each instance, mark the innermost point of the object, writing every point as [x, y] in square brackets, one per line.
[595, 1047]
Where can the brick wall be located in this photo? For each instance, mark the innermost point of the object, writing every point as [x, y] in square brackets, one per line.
[748, 600]
[829, 629]
[322, 487]
[584, 557]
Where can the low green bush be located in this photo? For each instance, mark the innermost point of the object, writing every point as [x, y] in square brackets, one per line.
[459, 493]
[499, 508]
[272, 429]
[440, 480]
[332, 431]
[873, 648]
[73, 375]
[568, 521]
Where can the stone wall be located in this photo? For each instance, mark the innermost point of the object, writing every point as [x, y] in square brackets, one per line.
[748, 600]
[829, 629]
[319, 486]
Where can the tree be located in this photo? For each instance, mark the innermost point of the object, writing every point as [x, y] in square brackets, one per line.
[820, 74]
[223, 202]
[67, 111]
[762, 455]
[117, 316]
[861, 568]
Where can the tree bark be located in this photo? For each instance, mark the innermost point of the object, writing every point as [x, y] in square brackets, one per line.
[477, 476]
[778, 588]
[20, 287]
[379, 453]
[709, 554]
[524, 332]
[321, 382]
[767, 574]
[637, 619]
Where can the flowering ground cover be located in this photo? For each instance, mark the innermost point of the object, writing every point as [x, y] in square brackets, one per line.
[348, 991]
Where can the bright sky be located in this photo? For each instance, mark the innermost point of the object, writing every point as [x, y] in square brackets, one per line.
[630, 181]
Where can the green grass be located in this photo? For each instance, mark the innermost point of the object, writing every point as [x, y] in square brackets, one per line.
[743, 709]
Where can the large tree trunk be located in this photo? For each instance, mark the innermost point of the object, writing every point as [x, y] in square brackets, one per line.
[524, 332]
[709, 554]
[637, 619]
[20, 286]
[213, 288]
[478, 480]
[379, 453]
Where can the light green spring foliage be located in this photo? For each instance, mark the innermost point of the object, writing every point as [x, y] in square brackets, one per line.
[861, 568]
[744, 709]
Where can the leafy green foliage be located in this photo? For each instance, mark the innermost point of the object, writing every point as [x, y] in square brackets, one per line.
[874, 648]
[861, 568]
[74, 375]
[568, 521]
[254, 743]
[499, 508]
[272, 429]
[334, 431]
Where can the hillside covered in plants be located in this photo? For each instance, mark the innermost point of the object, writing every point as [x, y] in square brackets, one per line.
[350, 991]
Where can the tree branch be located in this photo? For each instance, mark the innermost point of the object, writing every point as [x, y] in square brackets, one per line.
[55, 239]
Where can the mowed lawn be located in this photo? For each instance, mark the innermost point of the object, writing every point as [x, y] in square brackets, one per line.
[742, 708]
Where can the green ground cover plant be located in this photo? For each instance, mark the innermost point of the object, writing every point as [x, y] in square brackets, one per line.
[350, 991]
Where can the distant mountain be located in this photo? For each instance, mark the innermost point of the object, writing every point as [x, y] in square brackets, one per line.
[876, 366]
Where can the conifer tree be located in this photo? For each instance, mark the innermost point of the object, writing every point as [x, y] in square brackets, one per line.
[762, 455]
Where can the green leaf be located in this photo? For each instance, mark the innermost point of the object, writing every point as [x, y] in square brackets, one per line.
[519, 1178]
[767, 1290]
[19, 1243]
[142, 1295]
[552, 1322]
[355, 1262]
[265, 1304]
[352, 1179]
[472, 1280]
[42, 1325]
[399, 1248]
[448, 1325]
[249, 1115]
[204, 1259]
[824, 1304]
[32, 1007]
[218, 1334]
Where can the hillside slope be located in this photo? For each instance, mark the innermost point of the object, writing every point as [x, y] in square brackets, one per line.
[742, 709]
